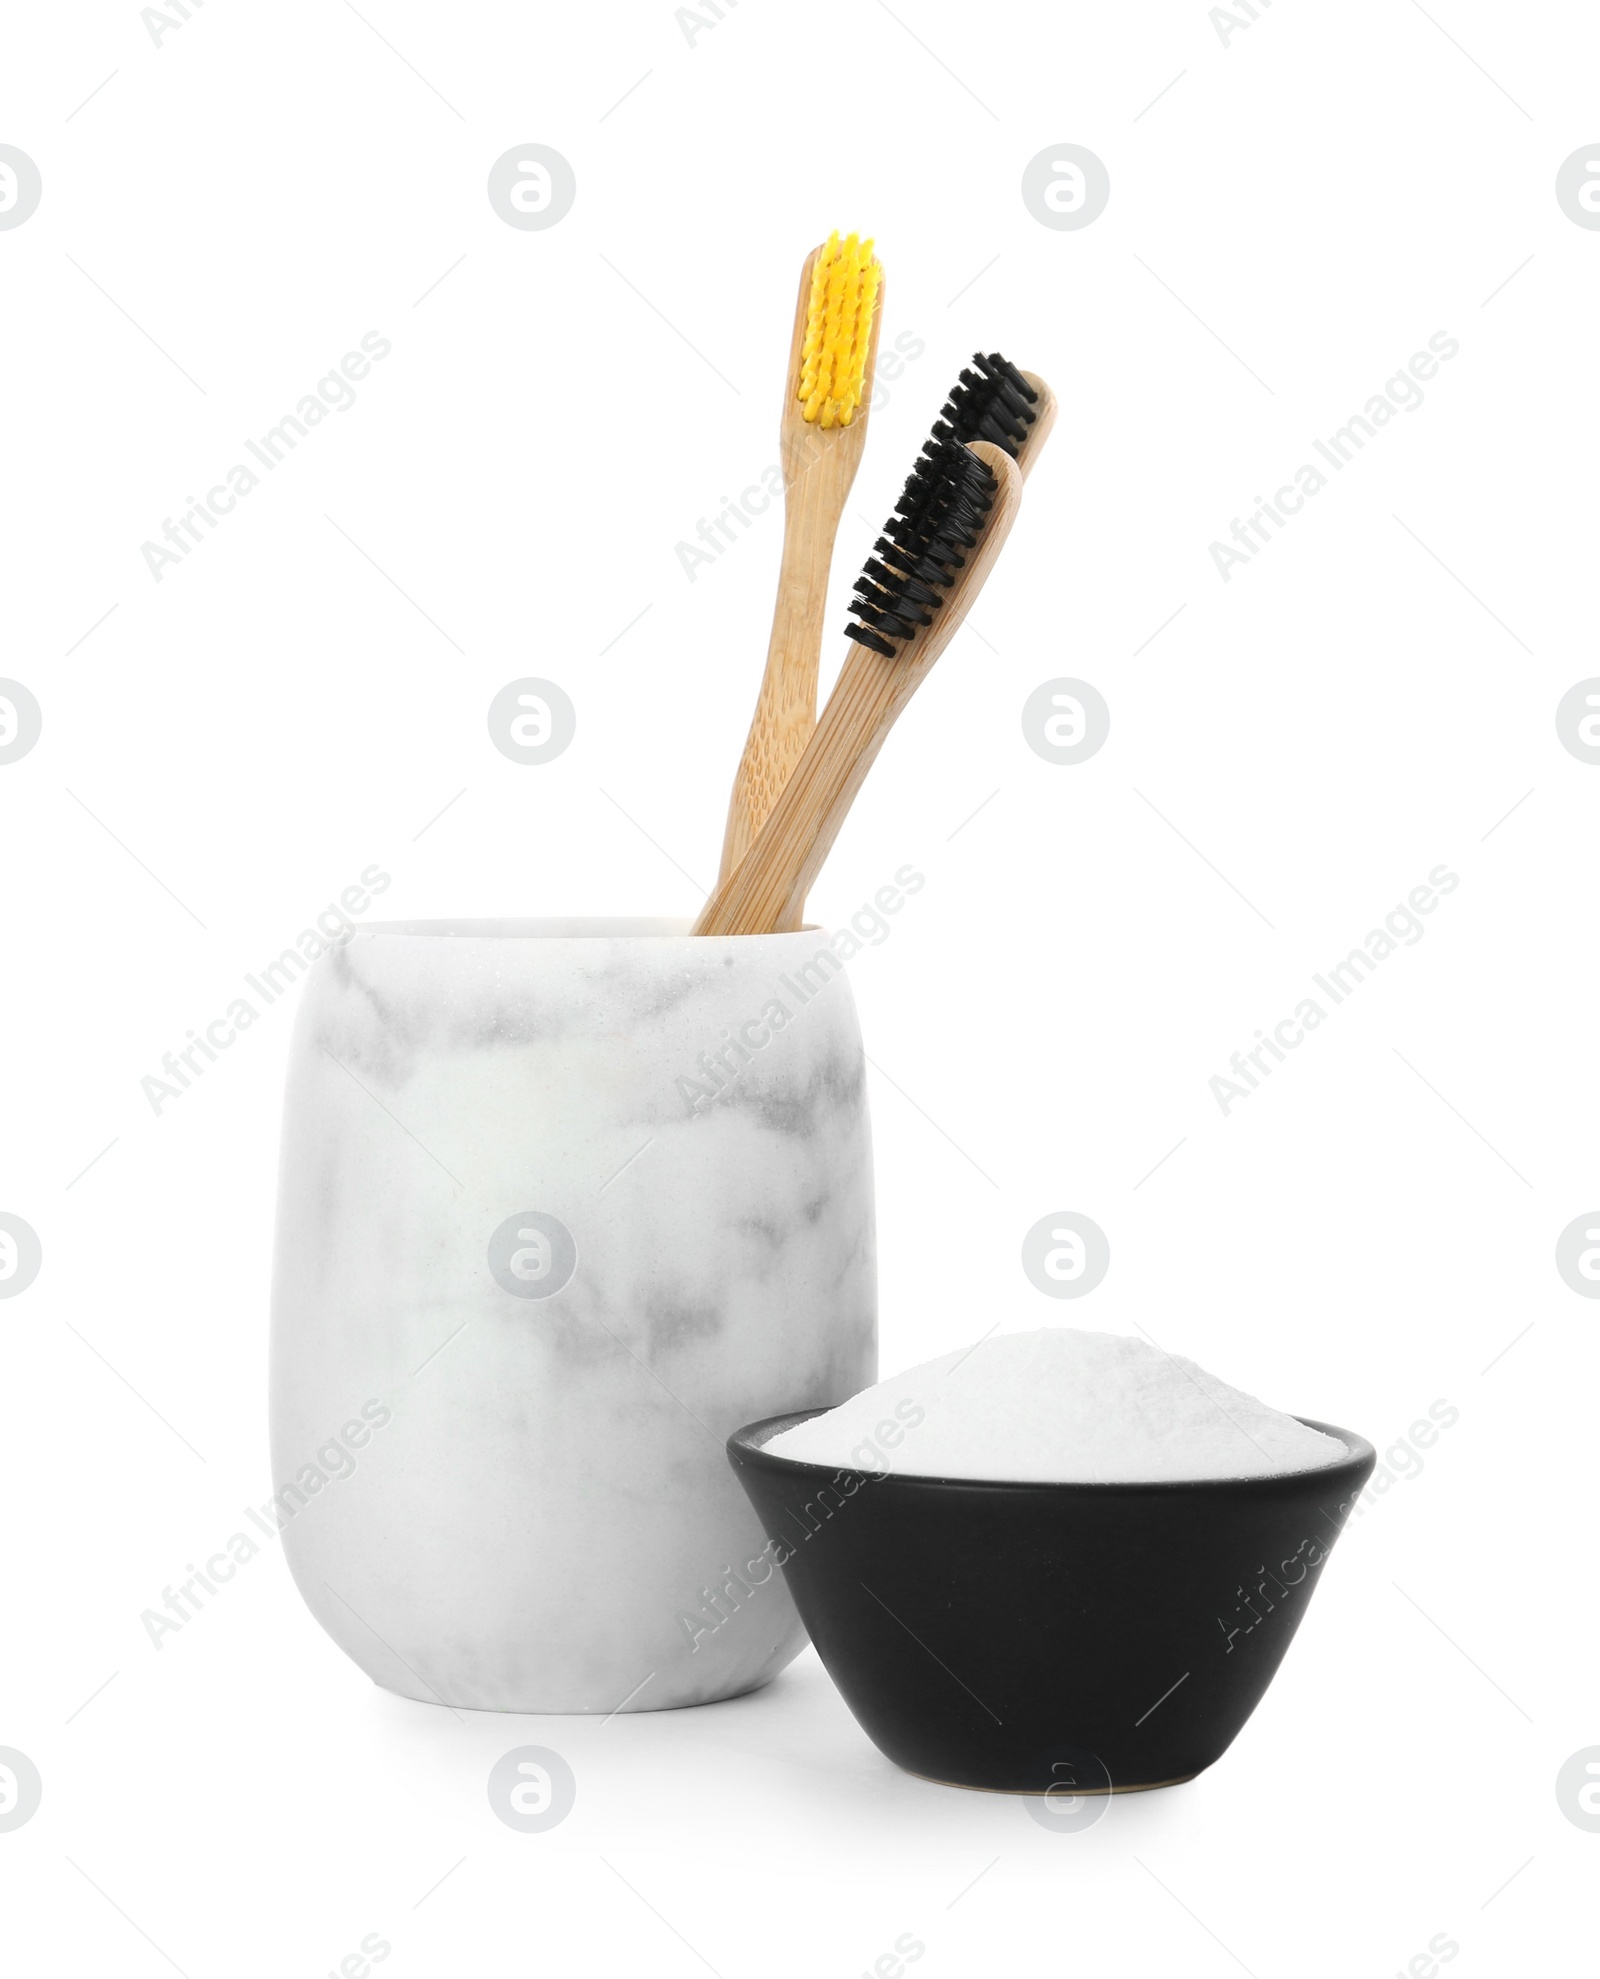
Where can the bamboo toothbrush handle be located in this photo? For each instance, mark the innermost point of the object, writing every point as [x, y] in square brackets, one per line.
[867, 699]
[817, 479]
[767, 891]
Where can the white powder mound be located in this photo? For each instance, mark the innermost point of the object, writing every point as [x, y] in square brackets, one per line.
[1059, 1406]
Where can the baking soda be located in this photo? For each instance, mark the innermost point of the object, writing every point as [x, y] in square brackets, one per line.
[1059, 1406]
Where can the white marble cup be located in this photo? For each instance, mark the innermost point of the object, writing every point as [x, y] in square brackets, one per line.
[562, 1203]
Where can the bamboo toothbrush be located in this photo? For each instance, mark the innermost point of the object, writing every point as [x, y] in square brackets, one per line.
[827, 391]
[931, 561]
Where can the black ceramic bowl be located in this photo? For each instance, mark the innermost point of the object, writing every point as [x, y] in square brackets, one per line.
[1019, 1637]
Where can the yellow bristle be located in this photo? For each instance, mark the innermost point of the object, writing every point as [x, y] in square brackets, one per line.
[833, 358]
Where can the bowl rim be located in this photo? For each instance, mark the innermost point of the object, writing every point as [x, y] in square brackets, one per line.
[745, 1445]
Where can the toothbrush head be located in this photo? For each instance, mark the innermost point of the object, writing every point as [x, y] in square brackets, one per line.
[990, 401]
[838, 334]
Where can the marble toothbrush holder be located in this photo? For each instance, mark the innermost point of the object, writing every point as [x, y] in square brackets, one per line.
[561, 1205]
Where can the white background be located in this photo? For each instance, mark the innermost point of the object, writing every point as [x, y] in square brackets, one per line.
[1372, 695]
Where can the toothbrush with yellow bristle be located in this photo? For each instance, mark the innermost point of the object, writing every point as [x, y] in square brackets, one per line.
[827, 394]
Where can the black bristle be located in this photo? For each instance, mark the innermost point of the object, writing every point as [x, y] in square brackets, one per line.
[937, 520]
[991, 401]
